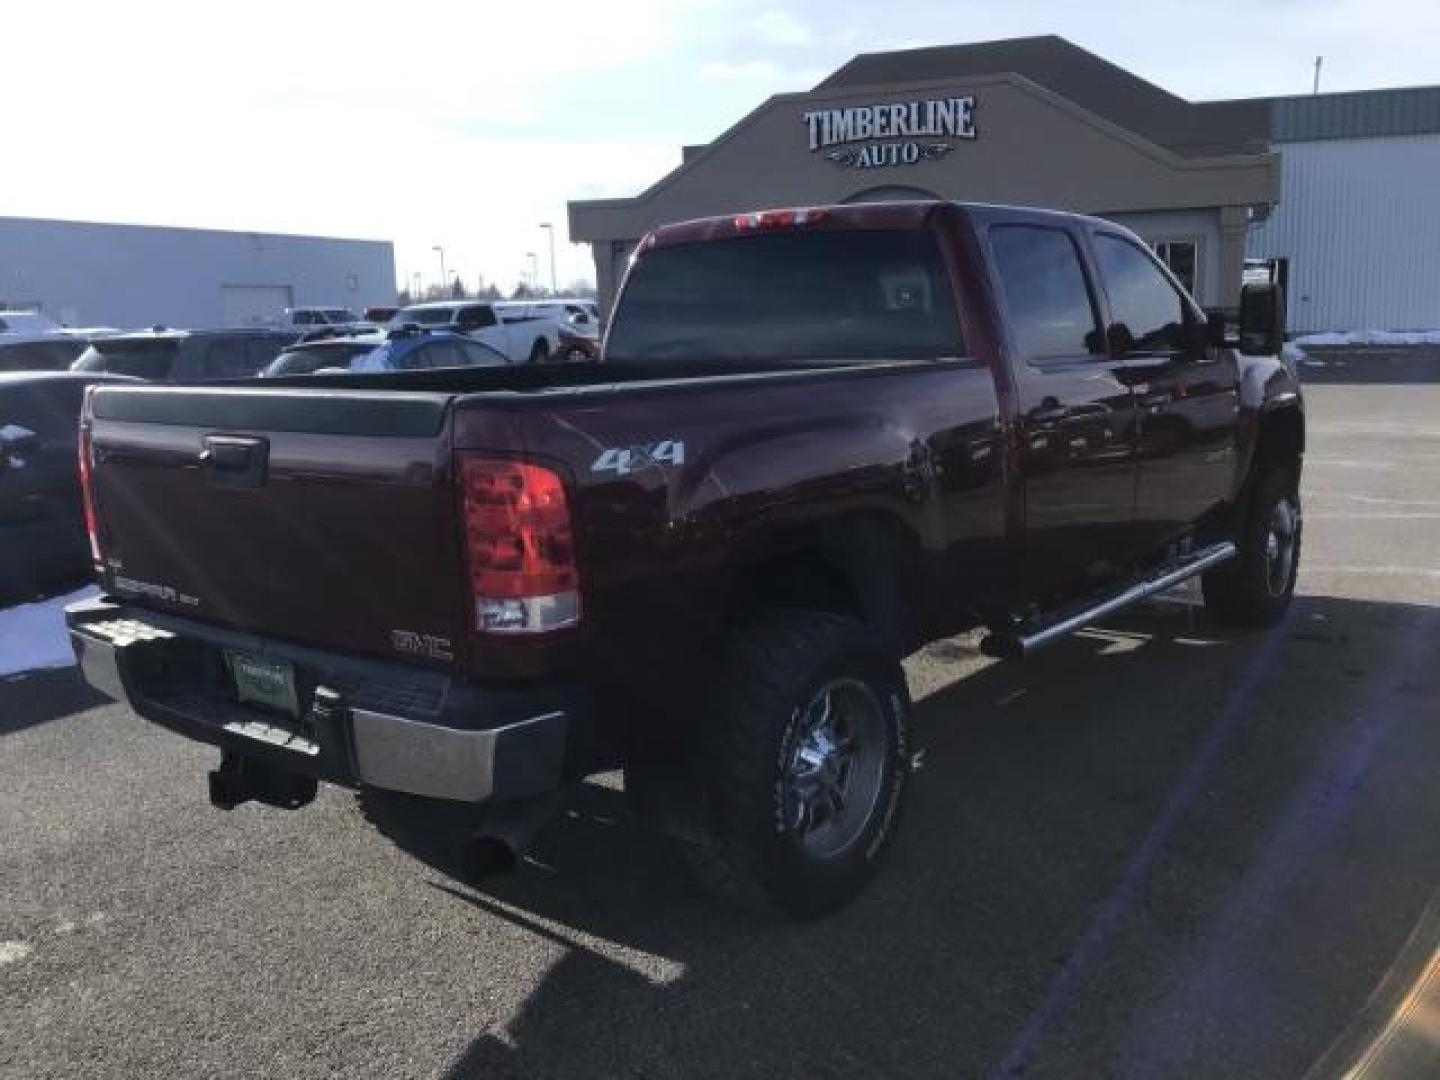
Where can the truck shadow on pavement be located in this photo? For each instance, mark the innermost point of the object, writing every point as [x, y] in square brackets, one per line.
[41, 696]
[1129, 780]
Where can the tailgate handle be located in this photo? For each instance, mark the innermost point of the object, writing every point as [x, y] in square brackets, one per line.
[235, 460]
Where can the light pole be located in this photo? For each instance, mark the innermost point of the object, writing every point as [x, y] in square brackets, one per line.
[444, 280]
[534, 271]
[549, 228]
[416, 295]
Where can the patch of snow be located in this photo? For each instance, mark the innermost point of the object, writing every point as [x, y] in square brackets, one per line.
[15, 431]
[1372, 337]
[11, 951]
[33, 635]
[1293, 354]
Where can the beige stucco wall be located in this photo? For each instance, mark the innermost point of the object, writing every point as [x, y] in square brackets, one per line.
[1032, 147]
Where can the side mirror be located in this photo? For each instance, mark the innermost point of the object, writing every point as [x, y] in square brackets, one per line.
[1262, 319]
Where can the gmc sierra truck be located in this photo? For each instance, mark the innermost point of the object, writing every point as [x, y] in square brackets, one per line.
[816, 439]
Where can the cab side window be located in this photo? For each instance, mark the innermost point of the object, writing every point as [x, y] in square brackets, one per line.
[1046, 293]
[1142, 300]
[476, 318]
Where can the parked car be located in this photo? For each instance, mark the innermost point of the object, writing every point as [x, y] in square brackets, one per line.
[53, 350]
[42, 532]
[522, 335]
[817, 440]
[26, 322]
[578, 348]
[377, 350]
[182, 356]
[319, 316]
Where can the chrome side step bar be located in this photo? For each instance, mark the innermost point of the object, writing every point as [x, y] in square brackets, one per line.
[1026, 640]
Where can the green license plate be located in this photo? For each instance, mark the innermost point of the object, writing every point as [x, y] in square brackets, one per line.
[264, 682]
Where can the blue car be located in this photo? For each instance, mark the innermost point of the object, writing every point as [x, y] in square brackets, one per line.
[402, 349]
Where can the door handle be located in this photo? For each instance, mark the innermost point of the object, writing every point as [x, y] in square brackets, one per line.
[235, 460]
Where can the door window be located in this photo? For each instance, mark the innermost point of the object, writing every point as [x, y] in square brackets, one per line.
[443, 354]
[225, 359]
[1046, 293]
[1141, 299]
[478, 355]
[260, 351]
[476, 318]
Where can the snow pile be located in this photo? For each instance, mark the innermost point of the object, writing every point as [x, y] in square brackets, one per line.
[33, 635]
[1372, 337]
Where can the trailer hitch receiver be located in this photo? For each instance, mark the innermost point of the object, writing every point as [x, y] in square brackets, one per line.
[241, 779]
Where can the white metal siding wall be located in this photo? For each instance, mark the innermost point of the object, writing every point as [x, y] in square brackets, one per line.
[1359, 220]
[94, 274]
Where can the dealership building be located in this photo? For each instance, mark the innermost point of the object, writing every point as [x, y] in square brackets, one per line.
[89, 274]
[1341, 185]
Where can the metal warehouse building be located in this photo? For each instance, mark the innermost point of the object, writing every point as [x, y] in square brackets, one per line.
[88, 274]
[1341, 184]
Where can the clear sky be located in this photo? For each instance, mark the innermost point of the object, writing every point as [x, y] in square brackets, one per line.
[466, 124]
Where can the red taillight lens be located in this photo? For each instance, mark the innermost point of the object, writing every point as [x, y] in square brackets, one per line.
[519, 546]
[87, 497]
[779, 219]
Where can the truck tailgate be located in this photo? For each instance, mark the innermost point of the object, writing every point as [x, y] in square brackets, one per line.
[325, 517]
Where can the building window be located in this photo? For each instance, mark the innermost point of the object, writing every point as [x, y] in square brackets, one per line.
[1183, 259]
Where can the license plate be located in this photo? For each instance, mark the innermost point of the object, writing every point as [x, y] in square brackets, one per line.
[264, 682]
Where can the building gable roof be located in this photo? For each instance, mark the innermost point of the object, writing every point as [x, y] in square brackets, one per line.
[1188, 128]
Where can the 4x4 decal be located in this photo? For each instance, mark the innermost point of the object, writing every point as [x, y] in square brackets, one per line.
[627, 459]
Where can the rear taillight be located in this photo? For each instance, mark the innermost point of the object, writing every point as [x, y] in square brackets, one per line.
[87, 496]
[519, 547]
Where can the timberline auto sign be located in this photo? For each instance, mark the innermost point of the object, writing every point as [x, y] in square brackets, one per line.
[912, 125]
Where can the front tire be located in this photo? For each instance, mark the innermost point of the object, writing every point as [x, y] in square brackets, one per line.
[539, 352]
[804, 766]
[1255, 589]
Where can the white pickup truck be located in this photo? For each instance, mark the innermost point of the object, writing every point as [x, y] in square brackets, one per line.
[524, 332]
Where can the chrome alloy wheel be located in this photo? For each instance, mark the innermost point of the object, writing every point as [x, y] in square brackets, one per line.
[1280, 543]
[835, 771]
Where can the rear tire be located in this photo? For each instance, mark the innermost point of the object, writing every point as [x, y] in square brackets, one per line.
[539, 352]
[804, 765]
[1256, 587]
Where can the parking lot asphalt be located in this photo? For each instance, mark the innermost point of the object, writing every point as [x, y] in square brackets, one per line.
[1160, 849]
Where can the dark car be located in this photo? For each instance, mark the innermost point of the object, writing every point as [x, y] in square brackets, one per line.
[402, 349]
[186, 356]
[40, 352]
[42, 530]
[816, 440]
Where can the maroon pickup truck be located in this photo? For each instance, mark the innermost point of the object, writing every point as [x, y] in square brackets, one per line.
[816, 439]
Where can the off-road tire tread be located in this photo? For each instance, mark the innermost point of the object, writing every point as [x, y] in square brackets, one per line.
[738, 742]
[1237, 594]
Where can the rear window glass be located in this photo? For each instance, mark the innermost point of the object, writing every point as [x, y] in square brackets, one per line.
[143, 359]
[426, 316]
[309, 361]
[841, 296]
[39, 355]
